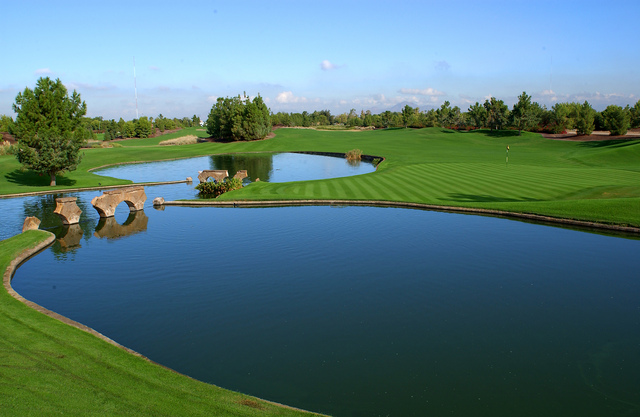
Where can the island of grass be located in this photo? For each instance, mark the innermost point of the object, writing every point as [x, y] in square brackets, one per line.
[52, 367]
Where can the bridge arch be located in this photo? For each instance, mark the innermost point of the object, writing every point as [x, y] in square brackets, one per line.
[106, 203]
[216, 174]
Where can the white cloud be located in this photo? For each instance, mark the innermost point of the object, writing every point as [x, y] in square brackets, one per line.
[326, 65]
[287, 97]
[212, 99]
[422, 92]
[43, 71]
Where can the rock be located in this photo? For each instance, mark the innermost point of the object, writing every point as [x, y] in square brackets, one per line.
[31, 223]
[189, 179]
[158, 201]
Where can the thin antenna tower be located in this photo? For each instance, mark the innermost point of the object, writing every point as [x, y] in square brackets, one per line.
[135, 86]
[550, 75]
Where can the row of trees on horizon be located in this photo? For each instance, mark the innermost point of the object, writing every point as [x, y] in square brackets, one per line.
[51, 126]
[493, 114]
[525, 115]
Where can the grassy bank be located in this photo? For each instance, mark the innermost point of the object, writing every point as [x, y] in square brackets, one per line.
[51, 368]
[592, 181]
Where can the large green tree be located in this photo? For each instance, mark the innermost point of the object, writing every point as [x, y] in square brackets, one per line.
[477, 114]
[634, 115]
[6, 123]
[497, 113]
[47, 127]
[525, 114]
[585, 118]
[143, 127]
[235, 119]
[616, 120]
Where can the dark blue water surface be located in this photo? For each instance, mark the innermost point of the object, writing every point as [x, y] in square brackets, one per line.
[361, 311]
[353, 311]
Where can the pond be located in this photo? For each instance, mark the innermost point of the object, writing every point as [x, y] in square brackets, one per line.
[356, 311]
[360, 311]
[269, 167]
[279, 167]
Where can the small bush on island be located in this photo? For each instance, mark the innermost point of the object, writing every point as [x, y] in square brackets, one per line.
[354, 155]
[214, 189]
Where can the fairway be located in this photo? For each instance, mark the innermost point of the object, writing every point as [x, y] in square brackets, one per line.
[594, 181]
[590, 181]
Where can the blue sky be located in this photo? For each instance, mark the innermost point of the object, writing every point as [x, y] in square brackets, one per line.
[314, 55]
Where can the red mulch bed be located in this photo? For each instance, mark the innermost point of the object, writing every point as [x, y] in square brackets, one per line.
[9, 138]
[632, 134]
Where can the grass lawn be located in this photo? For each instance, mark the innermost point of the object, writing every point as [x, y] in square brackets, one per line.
[51, 368]
[592, 181]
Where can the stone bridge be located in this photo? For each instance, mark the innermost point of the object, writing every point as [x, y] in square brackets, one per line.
[241, 174]
[109, 228]
[216, 174]
[106, 203]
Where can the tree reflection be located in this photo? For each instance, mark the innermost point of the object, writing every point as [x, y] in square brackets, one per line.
[256, 165]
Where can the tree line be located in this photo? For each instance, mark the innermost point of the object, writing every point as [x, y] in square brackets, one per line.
[51, 126]
[493, 114]
[137, 128]
[143, 127]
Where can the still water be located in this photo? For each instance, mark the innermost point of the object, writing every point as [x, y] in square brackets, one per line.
[269, 167]
[279, 167]
[359, 311]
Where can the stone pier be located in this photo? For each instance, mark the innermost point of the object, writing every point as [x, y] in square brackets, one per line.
[68, 210]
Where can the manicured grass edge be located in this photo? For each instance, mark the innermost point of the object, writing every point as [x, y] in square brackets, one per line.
[453, 209]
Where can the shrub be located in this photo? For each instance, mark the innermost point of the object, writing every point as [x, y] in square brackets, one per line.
[376, 161]
[214, 188]
[354, 155]
[7, 149]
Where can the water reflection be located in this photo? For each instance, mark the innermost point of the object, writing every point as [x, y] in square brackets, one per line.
[256, 165]
[69, 237]
[43, 208]
[108, 227]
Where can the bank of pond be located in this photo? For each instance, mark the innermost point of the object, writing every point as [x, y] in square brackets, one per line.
[356, 311]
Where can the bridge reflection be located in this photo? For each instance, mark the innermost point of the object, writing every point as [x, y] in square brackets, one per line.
[109, 228]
